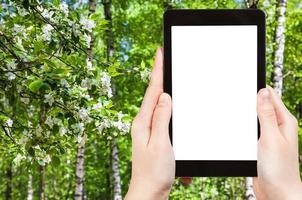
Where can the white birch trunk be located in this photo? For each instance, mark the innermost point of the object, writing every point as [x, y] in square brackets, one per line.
[250, 195]
[80, 171]
[279, 52]
[117, 189]
[30, 190]
[116, 173]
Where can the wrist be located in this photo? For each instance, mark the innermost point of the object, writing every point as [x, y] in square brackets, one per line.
[294, 193]
[146, 191]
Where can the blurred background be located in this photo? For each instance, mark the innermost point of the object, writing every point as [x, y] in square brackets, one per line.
[73, 75]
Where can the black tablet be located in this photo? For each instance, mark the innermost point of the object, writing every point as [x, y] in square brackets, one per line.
[214, 65]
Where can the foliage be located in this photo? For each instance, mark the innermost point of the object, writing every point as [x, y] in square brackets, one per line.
[52, 97]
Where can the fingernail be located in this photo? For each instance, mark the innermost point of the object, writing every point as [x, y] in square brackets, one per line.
[164, 98]
[264, 95]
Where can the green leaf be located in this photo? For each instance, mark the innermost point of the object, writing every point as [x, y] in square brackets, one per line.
[38, 85]
[55, 161]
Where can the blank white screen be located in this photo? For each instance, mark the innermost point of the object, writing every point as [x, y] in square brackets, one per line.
[214, 87]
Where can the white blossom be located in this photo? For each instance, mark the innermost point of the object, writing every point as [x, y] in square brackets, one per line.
[38, 130]
[266, 3]
[145, 74]
[109, 92]
[47, 159]
[120, 115]
[25, 100]
[124, 127]
[88, 97]
[89, 64]
[37, 147]
[22, 12]
[64, 83]
[87, 24]
[106, 123]
[84, 115]
[18, 158]
[97, 106]
[64, 8]
[46, 32]
[11, 76]
[87, 40]
[62, 131]
[76, 29]
[18, 29]
[57, 121]
[49, 99]
[47, 14]
[49, 122]
[11, 65]
[86, 84]
[100, 128]
[78, 128]
[9, 122]
[106, 84]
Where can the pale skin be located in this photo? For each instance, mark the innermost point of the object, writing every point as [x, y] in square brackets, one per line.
[153, 163]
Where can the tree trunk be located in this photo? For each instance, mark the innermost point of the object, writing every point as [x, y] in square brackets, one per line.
[116, 173]
[42, 183]
[250, 195]
[117, 189]
[249, 189]
[79, 191]
[42, 118]
[80, 172]
[30, 190]
[279, 52]
[251, 3]
[109, 33]
[9, 176]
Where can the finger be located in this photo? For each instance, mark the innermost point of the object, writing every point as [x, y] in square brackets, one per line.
[257, 190]
[186, 180]
[161, 120]
[266, 114]
[153, 91]
[286, 121]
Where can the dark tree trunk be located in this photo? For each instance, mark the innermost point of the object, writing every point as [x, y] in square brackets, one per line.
[9, 177]
[42, 183]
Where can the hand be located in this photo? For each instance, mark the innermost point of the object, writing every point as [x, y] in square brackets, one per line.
[278, 164]
[153, 163]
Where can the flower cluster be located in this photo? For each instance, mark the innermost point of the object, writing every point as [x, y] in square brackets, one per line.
[60, 94]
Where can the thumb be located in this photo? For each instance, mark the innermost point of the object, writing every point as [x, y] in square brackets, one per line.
[266, 113]
[161, 118]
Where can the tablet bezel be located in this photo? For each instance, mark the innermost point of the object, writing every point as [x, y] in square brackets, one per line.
[190, 168]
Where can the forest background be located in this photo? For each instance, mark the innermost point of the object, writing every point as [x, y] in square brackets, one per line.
[72, 77]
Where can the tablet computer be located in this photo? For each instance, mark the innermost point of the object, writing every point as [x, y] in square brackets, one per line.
[214, 65]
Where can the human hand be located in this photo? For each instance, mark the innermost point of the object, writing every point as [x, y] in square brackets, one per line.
[278, 164]
[153, 163]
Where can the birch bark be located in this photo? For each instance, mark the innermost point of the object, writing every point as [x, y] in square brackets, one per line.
[117, 189]
[279, 52]
[80, 159]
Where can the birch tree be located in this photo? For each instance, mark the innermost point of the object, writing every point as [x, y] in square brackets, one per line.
[80, 173]
[30, 190]
[250, 195]
[117, 189]
[279, 51]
